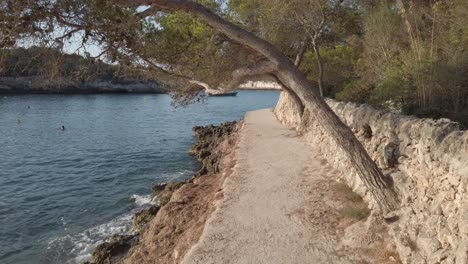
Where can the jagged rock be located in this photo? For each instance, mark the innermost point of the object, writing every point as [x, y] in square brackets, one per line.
[163, 192]
[114, 249]
[391, 154]
[143, 217]
[208, 138]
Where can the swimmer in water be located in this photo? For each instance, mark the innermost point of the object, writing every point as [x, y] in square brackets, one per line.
[18, 121]
[62, 128]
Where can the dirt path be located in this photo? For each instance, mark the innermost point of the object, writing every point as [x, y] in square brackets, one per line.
[279, 204]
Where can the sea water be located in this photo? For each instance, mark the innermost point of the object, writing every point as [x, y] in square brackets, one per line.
[64, 191]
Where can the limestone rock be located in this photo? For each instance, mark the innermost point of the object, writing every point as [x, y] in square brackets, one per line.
[428, 244]
[391, 154]
[462, 254]
[427, 160]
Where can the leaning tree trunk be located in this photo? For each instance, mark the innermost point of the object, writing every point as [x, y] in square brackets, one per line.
[296, 81]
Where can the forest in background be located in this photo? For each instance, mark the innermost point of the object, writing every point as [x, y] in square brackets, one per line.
[55, 65]
[414, 59]
[408, 56]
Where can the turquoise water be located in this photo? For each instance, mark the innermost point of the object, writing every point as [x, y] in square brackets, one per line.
[61, 192]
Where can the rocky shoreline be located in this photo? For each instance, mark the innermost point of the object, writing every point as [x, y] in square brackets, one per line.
[175, 221]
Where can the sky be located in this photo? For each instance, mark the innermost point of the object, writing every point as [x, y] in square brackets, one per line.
[73, 45]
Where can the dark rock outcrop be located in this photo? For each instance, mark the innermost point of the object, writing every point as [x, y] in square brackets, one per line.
[143, 217]
[391, 154]
[366, 131]
[208, 138]
[114, 249]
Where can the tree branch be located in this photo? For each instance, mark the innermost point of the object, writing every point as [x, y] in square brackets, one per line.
[197, 10]
[68, 34]
[166, 71]
[240, 75]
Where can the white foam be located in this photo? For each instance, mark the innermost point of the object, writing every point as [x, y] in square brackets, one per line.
[141, 200]
[77, 249]
[80, 247]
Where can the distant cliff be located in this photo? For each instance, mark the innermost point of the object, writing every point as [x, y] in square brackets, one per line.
[29, 71]
[260, 85]
[39, 85]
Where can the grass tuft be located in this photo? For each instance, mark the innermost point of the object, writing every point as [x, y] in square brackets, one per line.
[354, 208]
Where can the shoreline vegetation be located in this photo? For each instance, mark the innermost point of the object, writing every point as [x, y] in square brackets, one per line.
[181, 208]
[39, 85]
[39, 70]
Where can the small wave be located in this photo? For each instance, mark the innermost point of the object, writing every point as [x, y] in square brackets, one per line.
[141, 200]
[73, 249]
[77, 249]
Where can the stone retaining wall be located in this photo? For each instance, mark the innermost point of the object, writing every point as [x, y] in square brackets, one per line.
[428, 162]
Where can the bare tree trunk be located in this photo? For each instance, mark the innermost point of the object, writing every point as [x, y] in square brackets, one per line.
[296, 81]
[300, 55]
[320, 67]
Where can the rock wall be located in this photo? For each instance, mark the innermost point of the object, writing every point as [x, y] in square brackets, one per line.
[428, 162]
[289, 110]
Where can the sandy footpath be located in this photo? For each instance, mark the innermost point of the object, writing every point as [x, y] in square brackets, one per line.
[278, 204]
